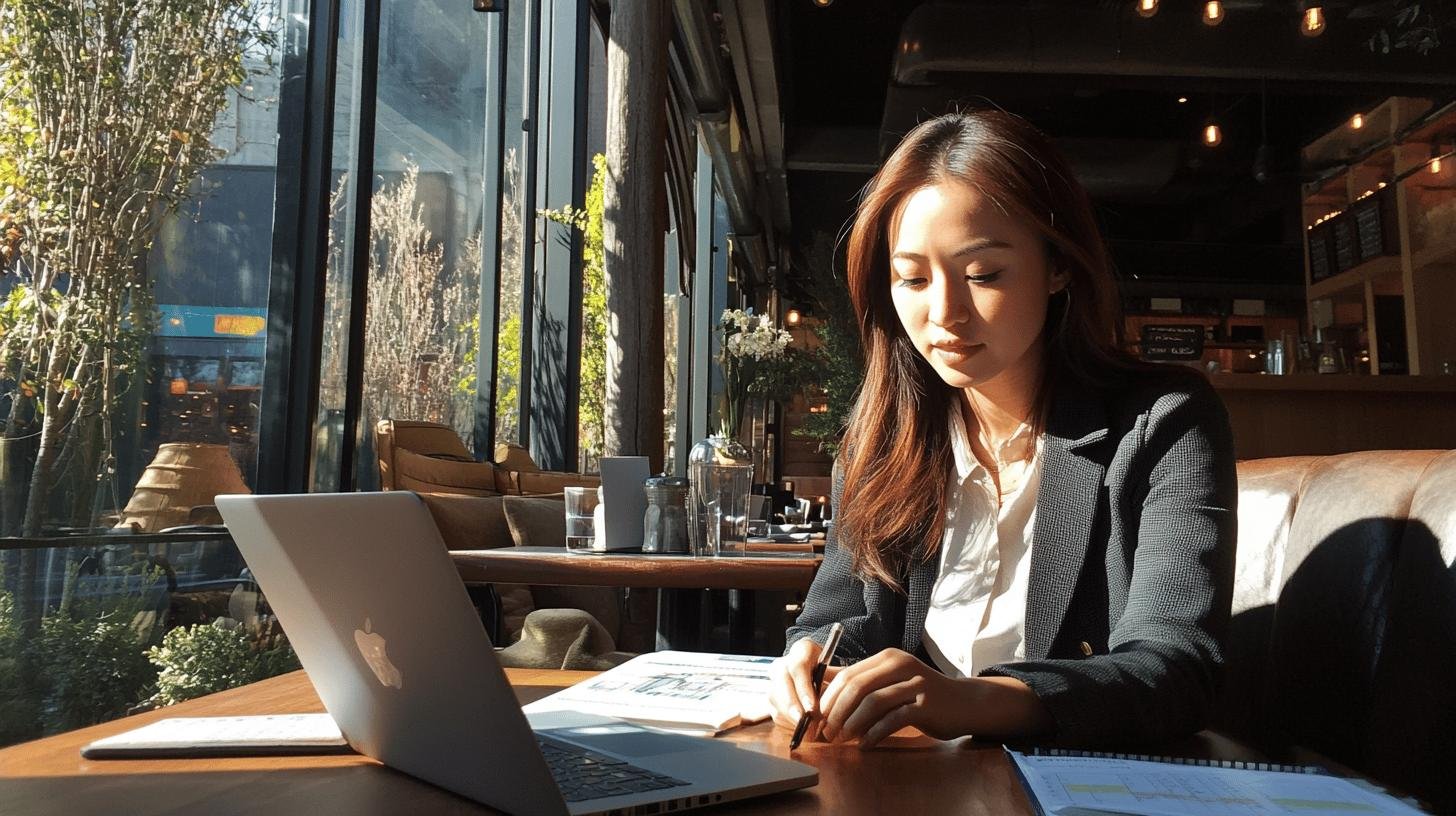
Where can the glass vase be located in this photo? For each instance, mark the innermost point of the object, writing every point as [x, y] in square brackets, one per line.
[720, 470]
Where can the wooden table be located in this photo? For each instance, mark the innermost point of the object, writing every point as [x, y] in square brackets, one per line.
[792, 570]
[912, 774]
[681, 619]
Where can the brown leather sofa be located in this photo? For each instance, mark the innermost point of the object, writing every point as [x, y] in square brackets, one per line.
[484, 505]
[1343, 639]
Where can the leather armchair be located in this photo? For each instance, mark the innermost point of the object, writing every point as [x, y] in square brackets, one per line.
[1343, 637]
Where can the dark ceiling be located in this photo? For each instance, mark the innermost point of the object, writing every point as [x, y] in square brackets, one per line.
[1106, 84]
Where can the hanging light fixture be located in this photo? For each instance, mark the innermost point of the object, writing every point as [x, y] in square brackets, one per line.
[1312, 20]
[1357, 121]
[823, 3]
[1212, 135]
[1435, 164]
[1182, 100]
[792, 318]
[1147, 8]
[1263, 155]
[1212, 13]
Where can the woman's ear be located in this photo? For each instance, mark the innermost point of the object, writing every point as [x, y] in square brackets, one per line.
[1060, 280]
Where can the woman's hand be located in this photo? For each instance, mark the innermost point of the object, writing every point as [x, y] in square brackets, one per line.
[878, 696]
[792, 676]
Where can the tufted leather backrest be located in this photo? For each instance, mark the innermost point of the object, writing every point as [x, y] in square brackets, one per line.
[1344, 611]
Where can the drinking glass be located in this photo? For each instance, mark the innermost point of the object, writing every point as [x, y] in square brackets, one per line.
[581, 529]
[724, 492]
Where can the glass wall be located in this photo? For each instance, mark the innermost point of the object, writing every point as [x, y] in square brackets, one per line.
[111, 566]
[88, 621]
[516, 226]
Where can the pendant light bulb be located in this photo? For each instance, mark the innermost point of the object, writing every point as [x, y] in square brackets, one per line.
[1212, 13]
[1435, 166]
[1312, 24]
[1212, 135]
[1147, 8]
[1357, 121]
[793, 317]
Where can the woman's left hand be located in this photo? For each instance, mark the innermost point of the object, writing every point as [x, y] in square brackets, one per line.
[878, 696]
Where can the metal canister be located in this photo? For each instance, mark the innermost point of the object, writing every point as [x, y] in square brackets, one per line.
[665, 524]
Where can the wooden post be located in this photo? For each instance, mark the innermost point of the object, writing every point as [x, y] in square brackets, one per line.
[634, 203]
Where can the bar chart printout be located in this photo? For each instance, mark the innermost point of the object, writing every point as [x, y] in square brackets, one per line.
[1069, 785]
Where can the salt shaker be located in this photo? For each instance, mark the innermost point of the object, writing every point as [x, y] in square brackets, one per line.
[665, 524]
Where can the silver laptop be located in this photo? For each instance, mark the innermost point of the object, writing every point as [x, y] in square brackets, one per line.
[372, 603]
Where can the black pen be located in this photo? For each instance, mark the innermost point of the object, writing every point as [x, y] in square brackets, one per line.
[825, 658]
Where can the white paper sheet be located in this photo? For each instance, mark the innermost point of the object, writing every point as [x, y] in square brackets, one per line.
[1088, 785]
[691, 692]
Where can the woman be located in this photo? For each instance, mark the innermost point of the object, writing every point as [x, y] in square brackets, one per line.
[1034, 531]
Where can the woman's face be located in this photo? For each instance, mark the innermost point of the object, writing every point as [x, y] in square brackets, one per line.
[969, 284]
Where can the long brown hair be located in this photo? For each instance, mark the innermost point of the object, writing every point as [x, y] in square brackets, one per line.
[898, 441]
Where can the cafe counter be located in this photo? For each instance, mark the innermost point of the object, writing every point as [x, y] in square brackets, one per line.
[1310, 414]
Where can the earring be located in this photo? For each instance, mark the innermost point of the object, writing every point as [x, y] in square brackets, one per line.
[1066, 307]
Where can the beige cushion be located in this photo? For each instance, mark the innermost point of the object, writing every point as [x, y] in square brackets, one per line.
[538, 521]
[479, 523]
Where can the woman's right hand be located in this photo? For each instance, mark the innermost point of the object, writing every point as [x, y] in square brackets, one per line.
[792, 676]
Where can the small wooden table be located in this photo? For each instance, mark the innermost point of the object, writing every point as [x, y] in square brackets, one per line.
[910, 774]
[792, 571]
[681, 579]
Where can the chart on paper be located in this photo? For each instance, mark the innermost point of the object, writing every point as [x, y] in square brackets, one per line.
[1093, 784]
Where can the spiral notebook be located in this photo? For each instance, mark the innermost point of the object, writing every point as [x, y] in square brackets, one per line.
[1087, 783]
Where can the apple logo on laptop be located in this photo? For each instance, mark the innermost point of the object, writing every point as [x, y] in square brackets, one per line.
[371, 646]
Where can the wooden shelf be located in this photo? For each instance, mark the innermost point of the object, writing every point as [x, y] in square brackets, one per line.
[1355, 276]
[1333, 382]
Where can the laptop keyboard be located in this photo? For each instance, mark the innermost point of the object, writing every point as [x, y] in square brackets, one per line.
[584, 774]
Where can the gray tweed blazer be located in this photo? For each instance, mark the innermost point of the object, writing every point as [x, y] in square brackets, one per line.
[1132, 566]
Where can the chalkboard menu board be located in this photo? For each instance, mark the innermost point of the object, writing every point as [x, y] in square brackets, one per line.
[1375, 225]
[1171, 342]
[1344, 229]
[1321, 260]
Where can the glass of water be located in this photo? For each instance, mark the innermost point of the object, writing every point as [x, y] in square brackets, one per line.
[724, 493]
[581, 528]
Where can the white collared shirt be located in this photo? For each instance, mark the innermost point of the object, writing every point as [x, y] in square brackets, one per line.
[977, 614]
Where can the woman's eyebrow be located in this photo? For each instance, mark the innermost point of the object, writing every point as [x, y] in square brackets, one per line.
[974, 246]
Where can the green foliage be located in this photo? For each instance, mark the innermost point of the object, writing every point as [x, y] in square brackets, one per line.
[106, 113]
[836, 368]
[19, 711]
[204, 658]
[89, 652]
[591, 423]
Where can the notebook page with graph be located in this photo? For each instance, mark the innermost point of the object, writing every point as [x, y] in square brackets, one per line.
[689, 692]
[1081, 785]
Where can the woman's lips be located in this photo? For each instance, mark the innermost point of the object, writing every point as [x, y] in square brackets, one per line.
[957, 353]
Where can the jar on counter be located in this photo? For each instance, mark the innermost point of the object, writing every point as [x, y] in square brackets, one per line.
[665, 524]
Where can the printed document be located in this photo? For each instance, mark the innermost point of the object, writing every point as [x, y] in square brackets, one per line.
[688, 692]
[1068, 786]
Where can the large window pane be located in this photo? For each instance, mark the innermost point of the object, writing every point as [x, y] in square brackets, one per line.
[425, 221]
[514, 240]
[158, 409]
[339, 276]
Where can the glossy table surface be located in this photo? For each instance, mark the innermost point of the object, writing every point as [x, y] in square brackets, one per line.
[912, 774]
[792, 570]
